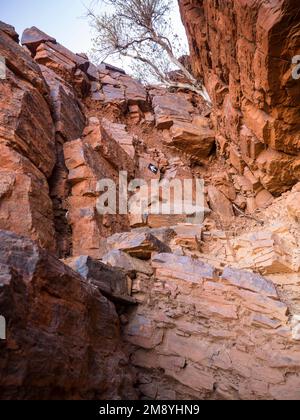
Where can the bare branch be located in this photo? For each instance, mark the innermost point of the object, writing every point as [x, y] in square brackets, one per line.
[141, 30]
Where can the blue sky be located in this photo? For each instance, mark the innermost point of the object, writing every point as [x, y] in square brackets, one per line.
[62, 19]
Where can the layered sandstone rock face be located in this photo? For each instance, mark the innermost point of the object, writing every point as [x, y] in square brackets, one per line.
[63, 340]
[201, 305]
[27, 145]
[244, 51]
[222, 321]
[63, 335]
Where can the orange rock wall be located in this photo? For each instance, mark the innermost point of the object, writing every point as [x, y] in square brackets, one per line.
[243, 49]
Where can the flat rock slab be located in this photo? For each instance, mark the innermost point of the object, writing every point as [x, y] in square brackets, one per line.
[121, 136]
[250, 281]
[139, 245]
[220, 204]
[120, 259]
[170, 266]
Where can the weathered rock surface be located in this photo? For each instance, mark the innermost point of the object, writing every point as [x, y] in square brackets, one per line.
[208, 300]
[27, 145]
[67, 113]
[33, 37]
[120, 259]
[89, 160]
[106, 141]
[26, 122]
[196, 140]
[113, 283]
[293, 206]
[137, 244]
[247, 69]
[170, 108]
[20, 62]
[220, 204]
[63, 336]
[199, 328]
[25, 205]
[120, 90]
[119, 133]
[9, 30]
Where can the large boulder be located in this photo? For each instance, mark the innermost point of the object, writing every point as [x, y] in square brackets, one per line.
[10, 31]
[197, 140]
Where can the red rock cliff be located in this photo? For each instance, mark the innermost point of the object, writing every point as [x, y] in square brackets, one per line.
[152, 305]
[244, 49]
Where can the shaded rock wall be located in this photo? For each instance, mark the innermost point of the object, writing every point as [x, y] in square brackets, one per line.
[243, 50]
[63, 337]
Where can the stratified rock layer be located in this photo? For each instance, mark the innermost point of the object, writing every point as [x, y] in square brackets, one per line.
[208, 300]
[198, 334]
[244, 51]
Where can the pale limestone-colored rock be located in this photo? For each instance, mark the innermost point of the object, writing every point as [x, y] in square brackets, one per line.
[267, 252]
[295, 324]
[293, 206]
[290, 391]
[142, 333]
[194, 378]
[164, 234]
[188, 236]
[261, 304]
